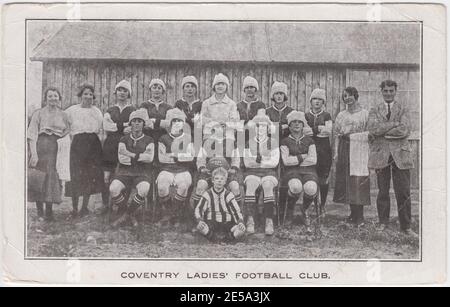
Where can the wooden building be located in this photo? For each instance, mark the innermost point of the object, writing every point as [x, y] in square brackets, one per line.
[304, 55]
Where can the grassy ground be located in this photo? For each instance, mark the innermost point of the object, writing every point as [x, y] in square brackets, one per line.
[92, 236]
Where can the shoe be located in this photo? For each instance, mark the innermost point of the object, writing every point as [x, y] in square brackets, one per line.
[73, 216]
[381, 227]
[84, 212]
[250, 226]
[269, 227]
[408, 232]
[134, 221]
[49, 218]
[122, 219]
[237, 233]
[360, 224]
[105, 210]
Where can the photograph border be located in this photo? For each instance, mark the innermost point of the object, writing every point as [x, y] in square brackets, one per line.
[420, 22]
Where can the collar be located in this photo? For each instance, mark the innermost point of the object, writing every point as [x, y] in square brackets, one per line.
[131, 136]
[190, 104]
[156, 103]
[391, 104]
[122, 108]
[297, 140]
[250, 102]
[213, 99]
[315, 114]
[176, 137]
[279, 110]
[218, 192]
[261, 141]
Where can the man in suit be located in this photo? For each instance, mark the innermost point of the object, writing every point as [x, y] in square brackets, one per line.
[390, 155]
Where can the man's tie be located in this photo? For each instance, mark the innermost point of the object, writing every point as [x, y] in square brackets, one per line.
[388, 116]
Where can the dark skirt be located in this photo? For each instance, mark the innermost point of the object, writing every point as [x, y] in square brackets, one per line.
[47, 150]
[354, 190]
[324, 157]
[86, 172]
[110, 149]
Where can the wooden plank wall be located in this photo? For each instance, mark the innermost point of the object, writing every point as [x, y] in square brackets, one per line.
[301, 80]
[69, 75]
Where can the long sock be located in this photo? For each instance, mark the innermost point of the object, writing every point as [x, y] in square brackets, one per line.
[40, 209]
[307, 200]
[48, 210]
[323, 194]
[291, 202]
[85, 201]
[120, 202]
[75, 204]
[249, 205]
[179, 205]
[239, 199]
[105, 197]
[136, 203]
[269, 206]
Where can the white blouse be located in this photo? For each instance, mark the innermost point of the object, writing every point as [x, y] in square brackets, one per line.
[84, 120]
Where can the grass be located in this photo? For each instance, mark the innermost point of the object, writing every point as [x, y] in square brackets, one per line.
[92, 237]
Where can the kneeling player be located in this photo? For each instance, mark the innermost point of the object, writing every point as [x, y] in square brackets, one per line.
[176, 153]
[135, 153]
[218, 211]
[218, 151]
[298, 155]
[260, 161]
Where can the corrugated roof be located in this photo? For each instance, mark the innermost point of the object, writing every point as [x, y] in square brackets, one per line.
[288, 42]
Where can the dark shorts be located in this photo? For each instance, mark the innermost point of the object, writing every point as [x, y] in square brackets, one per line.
[238, 177]
[295, 174]
[132, 181]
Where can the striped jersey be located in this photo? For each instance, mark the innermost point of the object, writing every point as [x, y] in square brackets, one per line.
[218, 206]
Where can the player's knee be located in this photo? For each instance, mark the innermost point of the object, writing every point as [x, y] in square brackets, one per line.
[202, 186]
[235, 188]
[115, 188]
[268, 187]
[310, 188]
[251, 185]
[143, 188]
[295, 186]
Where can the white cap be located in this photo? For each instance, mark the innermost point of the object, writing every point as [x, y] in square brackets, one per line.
[157, 81]
[297, 115]
[250, 81]
[318, 93]
[125, 84]
[140, 113]
[189, 79]
[221, 78]
[278, 87]
[175, 113]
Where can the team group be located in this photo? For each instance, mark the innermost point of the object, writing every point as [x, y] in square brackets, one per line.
[217, 184]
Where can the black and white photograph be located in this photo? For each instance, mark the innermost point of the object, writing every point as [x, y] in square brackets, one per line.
[223, 143]
[174, 139]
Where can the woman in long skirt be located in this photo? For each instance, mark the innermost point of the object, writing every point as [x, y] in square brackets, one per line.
[85, 151]
[47, 125]
[352, 188]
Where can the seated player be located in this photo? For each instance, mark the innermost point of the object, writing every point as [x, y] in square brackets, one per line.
[135, 154]
[298, 156]
[218, 151]
[217, 211]
[261, 158]
[176, 156]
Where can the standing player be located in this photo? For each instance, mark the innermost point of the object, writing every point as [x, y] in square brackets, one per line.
[320, 122]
